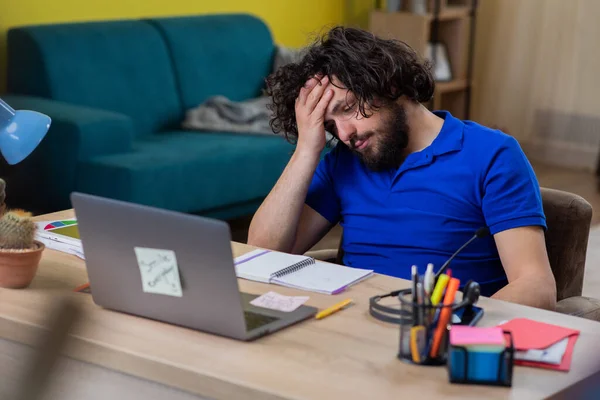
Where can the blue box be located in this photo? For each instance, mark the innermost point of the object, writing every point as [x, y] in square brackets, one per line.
[479, 365]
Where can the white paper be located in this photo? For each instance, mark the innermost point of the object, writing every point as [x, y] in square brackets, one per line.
[159, 271]
[62, 247]
[552, 354]
[276, 301]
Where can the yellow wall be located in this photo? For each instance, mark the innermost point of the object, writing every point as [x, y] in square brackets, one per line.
[292, 22]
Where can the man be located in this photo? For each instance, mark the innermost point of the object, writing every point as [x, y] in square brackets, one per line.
[407, 185]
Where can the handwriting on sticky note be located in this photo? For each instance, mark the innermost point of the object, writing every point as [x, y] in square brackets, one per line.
[159, 271]
[276, 301]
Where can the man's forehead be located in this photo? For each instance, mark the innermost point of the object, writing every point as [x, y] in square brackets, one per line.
[341, 97]
[337, 85]
[340, 93]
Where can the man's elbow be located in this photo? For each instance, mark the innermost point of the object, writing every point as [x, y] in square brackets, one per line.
[265, 241]
[550, 301]
[260, 241]
[256, 238]
[549, 294]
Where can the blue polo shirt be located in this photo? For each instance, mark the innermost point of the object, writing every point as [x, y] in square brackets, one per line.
[469, 177]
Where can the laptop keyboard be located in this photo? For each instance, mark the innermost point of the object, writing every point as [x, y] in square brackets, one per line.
[255, 320]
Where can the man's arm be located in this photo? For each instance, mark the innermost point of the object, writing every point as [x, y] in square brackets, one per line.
[283, 222]
[525, 260]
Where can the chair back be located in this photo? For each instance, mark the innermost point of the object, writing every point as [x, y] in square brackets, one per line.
[568, 217]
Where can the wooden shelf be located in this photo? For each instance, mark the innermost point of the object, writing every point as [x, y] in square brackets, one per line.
[451, 12]
[451, 86]
[446, 14]
[450, 96]
[452, 28]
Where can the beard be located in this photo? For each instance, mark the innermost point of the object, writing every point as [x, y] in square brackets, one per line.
[386, 150]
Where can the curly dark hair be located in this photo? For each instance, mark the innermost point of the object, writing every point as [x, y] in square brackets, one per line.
[377, 71]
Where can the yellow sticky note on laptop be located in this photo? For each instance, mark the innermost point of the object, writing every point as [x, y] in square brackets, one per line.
[159, 271]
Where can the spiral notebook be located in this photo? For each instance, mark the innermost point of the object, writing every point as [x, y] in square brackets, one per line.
[297, 271]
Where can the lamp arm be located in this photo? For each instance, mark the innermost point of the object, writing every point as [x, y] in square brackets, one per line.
[5, 108]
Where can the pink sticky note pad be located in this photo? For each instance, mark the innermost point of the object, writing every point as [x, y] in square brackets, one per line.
[470, 335]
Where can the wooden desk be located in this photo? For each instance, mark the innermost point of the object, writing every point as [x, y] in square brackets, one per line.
[345, 356]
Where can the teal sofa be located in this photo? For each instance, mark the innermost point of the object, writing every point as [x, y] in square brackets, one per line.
[117, 92]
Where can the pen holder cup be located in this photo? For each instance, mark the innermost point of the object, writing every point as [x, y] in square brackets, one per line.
[422, 340]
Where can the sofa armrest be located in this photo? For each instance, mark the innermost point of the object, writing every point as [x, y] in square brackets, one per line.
[579, 306]
[44, 181]
[88, 131]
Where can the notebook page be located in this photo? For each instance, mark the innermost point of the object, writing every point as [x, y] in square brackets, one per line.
[323, 277]
[260, 265]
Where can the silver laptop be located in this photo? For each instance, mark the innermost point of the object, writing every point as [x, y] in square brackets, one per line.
[169, 266]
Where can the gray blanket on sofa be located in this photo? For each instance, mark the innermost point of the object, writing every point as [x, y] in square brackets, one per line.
[218, 113]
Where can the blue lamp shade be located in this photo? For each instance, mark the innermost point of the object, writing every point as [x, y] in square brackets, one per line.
[20, 132]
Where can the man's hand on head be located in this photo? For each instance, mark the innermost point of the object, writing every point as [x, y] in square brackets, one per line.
[310, 108]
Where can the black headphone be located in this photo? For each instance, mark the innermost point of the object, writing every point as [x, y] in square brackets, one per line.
[471, 293]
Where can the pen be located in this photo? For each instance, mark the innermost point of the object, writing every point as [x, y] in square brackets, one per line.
[431, 330]
[334, 308]
[420, 304]
[415, 280]
[428, 279]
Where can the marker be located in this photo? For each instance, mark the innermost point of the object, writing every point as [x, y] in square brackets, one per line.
[417, 343]
[445, 315]
[436, 296]
[335, 308]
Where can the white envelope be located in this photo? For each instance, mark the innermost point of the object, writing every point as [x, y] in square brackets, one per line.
[550, 355]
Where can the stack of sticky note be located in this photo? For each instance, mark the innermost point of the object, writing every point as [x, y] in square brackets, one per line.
[478, 355]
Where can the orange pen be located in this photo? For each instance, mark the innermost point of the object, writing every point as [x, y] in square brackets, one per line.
[445, 315]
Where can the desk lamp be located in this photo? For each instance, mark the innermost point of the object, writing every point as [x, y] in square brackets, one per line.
[20, 132]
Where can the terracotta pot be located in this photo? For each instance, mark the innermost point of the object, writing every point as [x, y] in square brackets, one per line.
[18, 267]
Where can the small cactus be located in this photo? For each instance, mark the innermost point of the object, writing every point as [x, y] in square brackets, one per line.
[17, 230]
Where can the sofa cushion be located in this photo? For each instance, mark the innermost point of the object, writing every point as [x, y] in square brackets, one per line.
[228, 55]
[120, 66]
[189, 172]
